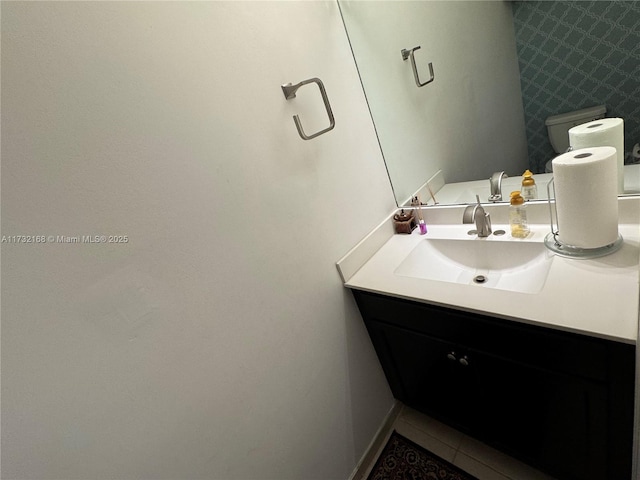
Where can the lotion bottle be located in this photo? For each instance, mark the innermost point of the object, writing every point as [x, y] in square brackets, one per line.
[529, 188]
[518, 216]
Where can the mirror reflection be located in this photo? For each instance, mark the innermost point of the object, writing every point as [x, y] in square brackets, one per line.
[503, 71]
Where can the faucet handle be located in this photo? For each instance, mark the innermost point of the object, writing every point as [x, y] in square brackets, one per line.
[487, 222]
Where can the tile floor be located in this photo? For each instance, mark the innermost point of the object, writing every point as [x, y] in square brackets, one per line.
[459, 449]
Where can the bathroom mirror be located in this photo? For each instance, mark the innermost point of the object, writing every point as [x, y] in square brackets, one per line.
[500, 69]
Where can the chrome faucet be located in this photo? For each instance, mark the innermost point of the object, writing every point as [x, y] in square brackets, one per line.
[495, 184]
[476, 214]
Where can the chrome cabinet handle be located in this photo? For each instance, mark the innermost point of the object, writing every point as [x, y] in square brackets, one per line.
[464, 361]
[451, 356]
[409, 54]
[289, 91]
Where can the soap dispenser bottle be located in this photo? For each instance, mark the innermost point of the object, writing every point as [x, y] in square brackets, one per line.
[529, 188]
[518, 216]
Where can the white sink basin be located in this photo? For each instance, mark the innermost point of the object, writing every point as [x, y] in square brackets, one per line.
[505, 265]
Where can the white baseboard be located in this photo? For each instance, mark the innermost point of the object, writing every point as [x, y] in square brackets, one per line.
[377, 441]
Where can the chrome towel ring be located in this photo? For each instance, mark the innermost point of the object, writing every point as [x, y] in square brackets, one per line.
[409, 54]
[289, 91]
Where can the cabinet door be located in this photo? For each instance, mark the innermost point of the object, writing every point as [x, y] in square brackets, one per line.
[425, 373]
[551, 420]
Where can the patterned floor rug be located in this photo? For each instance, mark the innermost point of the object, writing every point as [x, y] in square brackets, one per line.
[401, 459]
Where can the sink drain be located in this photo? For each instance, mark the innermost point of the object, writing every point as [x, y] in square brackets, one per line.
[480, 279]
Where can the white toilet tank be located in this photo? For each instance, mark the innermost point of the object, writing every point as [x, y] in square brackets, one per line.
[558, 125]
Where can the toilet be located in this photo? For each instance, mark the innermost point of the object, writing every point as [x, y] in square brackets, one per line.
[558, 127]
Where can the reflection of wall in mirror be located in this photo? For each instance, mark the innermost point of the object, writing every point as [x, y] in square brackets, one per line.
[574, 55]
[469, 122]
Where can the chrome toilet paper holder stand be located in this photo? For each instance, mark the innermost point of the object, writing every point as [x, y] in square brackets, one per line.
[553, 243]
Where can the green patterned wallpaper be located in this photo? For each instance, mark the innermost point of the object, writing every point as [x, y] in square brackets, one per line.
[573, 55]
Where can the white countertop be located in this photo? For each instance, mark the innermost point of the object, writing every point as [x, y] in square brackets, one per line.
[598, 297]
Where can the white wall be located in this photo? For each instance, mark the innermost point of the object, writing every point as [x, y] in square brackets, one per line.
[469, 122]
[218, 342]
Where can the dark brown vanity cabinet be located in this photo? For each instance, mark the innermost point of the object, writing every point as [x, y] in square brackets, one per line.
[561, 402]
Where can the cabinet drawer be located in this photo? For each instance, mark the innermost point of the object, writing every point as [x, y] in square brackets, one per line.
[531, 345]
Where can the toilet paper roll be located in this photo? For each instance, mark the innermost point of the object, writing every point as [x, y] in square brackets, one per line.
[587, 197]
[601, 133]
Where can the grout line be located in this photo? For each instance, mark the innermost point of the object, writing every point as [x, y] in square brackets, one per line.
[436, 431]
[500, 473]
[490, 467]
[455, 455]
